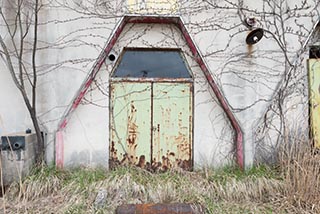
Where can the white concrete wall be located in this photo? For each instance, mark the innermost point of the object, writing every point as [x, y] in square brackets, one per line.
[86, 137]
[250, 76]
[14, 116]
[71, 39]
[87, 132]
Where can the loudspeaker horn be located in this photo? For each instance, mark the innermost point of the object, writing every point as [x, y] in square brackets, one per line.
[254, 36]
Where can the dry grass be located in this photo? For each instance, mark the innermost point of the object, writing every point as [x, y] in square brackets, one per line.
[300, 167]
[294, 187]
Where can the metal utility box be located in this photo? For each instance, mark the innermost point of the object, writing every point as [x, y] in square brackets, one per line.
[18, 152]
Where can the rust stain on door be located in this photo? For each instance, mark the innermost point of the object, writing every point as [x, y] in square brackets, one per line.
[172, 106]
[151, 125]
[130, 123]
[314, 93]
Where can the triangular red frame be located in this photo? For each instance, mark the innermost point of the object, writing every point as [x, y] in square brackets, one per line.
[177, 21]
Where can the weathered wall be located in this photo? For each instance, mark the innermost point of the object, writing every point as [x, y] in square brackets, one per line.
[254, 79]
[250, 77]
[89, 126]
[16, 120]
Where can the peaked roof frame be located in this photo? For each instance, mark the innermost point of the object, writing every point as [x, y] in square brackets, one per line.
[151, 19]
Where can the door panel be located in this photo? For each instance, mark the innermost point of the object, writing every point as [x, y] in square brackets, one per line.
[130, 122]
[172, 130]
[314, 84]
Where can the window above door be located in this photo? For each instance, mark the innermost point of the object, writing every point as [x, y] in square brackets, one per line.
[151, 63]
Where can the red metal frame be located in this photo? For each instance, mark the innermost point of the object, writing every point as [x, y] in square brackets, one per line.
[197, 56]
[59, 149]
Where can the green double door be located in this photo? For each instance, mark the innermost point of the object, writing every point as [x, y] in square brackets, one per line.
[151, 124]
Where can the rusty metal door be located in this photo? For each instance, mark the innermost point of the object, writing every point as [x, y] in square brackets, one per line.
[151, 101]
[130, 122]
[151, 124]
[172, 130]
[314, 93]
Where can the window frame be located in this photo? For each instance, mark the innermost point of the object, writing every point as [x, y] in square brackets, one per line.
[152, 79]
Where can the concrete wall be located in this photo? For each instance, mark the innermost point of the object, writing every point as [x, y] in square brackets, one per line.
[72, 37]
[89, 126]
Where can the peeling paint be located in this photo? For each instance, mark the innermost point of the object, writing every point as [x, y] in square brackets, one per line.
[59, 149]
[167, 115]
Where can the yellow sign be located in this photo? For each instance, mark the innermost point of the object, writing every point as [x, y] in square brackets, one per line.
[314, 93]
[153, 6]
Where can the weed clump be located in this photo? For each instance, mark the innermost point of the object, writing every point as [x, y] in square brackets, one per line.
[292, 186]
[300, 169]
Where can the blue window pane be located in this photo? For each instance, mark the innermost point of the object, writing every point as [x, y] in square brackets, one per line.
[152, 64]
